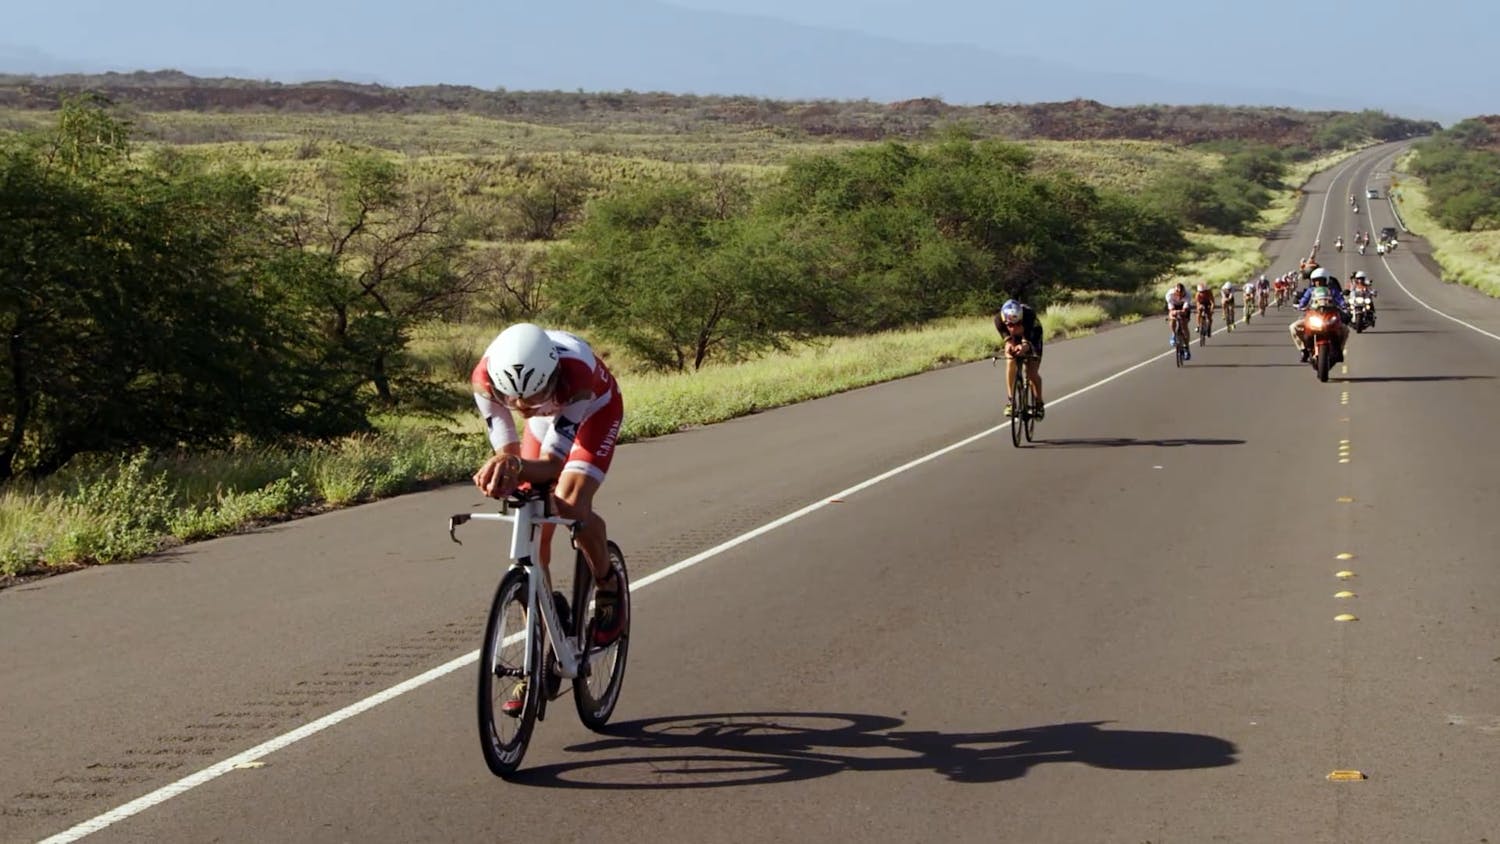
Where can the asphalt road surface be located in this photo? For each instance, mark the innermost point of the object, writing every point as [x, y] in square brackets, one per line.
[1125, 632]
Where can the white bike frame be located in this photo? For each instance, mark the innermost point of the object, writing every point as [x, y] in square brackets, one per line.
[525, 545]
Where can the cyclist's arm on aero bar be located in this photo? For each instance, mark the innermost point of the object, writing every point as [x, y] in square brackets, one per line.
[498, 422]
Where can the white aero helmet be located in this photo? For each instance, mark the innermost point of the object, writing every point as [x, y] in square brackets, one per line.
[522, 361]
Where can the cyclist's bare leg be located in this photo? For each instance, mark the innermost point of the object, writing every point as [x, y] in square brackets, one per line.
[574, 498]
[1010, 377]
[1034, 377]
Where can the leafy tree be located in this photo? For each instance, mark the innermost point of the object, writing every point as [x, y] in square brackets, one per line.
[1223, 202]
[545, 205]
[509, 281]
[1260, 165]
[132, 304]
[1463, 176]
[962, 226]
[674, 275]
[1470, 134]
[380, 253]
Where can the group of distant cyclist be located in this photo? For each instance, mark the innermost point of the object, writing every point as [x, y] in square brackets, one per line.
[1321, 286]
[1021, 329]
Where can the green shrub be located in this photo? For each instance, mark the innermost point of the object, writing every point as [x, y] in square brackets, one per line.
[127, 509]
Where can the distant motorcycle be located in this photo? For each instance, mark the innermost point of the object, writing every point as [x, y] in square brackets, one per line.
[1338, 245]
[1363, 307]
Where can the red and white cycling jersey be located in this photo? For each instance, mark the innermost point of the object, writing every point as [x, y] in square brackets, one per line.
[580, 421]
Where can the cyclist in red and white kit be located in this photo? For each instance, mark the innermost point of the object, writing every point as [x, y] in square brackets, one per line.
[573, 411]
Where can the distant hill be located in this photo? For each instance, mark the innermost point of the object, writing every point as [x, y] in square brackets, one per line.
[644, 45]
[858, 119]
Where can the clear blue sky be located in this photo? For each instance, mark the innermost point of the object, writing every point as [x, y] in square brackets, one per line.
[1438, 54]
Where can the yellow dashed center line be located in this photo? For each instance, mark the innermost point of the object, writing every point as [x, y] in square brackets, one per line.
[1346, 776]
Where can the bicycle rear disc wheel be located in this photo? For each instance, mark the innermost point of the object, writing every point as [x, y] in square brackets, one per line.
[502, 667]
[1030, 419]
[597, 690]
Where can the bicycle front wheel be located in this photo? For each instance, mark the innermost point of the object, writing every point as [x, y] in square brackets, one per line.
[1020, 405]
[504, 677]
[597, 689]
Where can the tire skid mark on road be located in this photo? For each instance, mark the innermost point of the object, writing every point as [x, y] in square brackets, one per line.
[219, 733]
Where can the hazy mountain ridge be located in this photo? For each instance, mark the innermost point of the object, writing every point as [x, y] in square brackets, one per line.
[645, 45]
[860, 119]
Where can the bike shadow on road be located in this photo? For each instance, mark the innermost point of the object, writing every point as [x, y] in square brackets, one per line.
[1375, 379]
[1120, 442]
[760, 748]
[1242, 365]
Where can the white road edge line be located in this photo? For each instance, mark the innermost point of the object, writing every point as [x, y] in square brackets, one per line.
[218, 769]
[1386, 260]
[1414, 298]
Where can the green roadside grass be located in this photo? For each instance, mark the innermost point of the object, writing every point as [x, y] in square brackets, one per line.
[107, 510]
[1469, 258]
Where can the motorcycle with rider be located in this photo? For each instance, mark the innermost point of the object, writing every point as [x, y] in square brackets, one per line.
[1361, 303]
[1323, 330]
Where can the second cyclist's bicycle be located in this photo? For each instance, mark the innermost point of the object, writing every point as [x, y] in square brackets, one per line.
[1022, 406]
[1179, 336]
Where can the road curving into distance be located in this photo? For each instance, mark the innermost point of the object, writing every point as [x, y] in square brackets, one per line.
[1123, 633]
